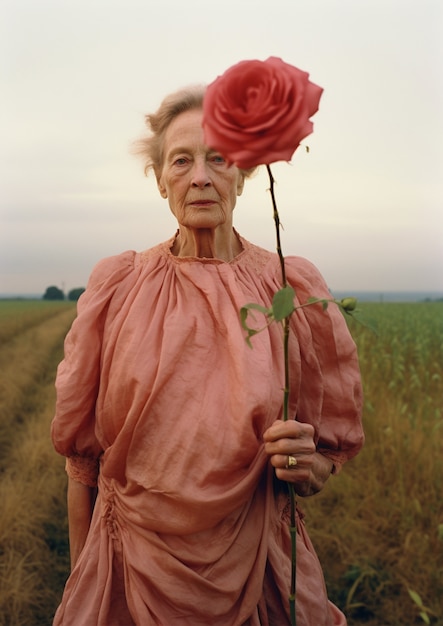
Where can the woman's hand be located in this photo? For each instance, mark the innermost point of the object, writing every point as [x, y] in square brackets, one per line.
[296, 440]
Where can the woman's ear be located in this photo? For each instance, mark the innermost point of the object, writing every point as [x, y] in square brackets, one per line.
[160, 185]
[240, 183]
[162, 190]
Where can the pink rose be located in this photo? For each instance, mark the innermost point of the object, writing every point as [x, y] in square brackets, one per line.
[258, 112]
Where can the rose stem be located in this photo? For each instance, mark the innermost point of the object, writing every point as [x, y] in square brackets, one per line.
[293, 530]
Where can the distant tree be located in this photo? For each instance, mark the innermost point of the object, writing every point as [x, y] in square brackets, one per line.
[75, 293]
[53, 293]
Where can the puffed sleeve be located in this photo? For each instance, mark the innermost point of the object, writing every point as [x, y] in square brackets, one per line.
[78, 375]
[331, 391]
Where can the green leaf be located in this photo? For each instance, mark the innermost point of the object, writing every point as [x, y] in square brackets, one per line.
[414, 595]
[283, 303]
[251, 333]
[245, 310]
[425, 617]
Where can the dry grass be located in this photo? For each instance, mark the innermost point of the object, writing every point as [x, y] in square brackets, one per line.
[32, 530]
[33, 541]
[26, 360]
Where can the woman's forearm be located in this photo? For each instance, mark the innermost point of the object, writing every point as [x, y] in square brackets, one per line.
[81, 499]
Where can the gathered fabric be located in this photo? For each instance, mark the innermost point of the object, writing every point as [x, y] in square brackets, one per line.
[162, 404]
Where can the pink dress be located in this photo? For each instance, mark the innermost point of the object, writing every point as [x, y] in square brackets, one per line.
[162, 402]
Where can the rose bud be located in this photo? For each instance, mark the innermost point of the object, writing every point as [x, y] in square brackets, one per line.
[349, 304]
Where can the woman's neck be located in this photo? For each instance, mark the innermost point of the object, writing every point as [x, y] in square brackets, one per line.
[207, 243]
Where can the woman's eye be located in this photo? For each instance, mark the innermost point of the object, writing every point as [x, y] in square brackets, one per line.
[218, 158]
[180, 161]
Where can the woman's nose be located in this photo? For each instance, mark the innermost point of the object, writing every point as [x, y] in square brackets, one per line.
[200, 175]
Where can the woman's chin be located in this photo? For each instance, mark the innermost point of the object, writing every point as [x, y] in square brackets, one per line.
[204, 222]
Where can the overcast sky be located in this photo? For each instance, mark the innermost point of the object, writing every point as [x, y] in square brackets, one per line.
[77, 77]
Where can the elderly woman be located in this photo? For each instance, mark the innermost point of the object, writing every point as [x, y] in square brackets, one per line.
[176, 453]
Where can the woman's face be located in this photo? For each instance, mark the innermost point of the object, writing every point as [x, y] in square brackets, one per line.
[200, 187]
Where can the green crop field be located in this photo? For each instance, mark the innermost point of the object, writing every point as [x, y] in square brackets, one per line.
[378, 526]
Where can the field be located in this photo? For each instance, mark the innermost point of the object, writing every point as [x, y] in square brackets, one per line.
[378, 526]
[33, 526]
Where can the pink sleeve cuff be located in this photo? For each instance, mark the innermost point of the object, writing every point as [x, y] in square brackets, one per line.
[338, 458]
[83, 470]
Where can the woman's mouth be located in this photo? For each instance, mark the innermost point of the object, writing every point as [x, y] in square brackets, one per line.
[202, 203]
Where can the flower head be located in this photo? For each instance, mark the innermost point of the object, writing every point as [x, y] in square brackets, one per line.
[258, 112]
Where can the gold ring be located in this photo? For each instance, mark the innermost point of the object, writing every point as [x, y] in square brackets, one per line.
[292, 462]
